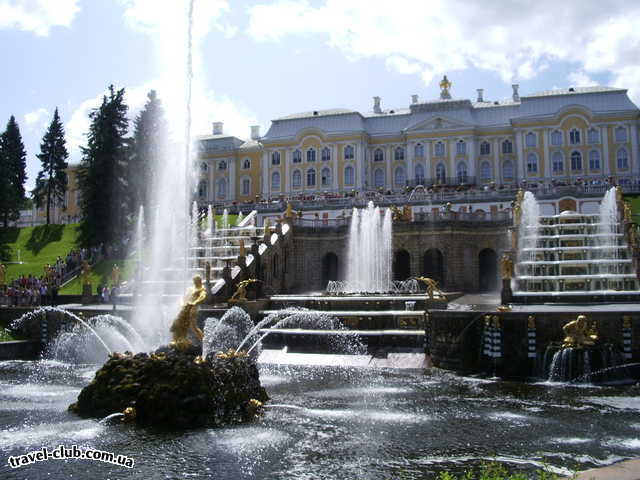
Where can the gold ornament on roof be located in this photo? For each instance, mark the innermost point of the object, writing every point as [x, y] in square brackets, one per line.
[445, 85]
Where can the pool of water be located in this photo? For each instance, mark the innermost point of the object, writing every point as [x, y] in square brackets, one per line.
[330, 423]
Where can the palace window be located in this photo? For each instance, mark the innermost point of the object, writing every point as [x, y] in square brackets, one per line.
[311, 178]
[399, 177]
[485, 148]
[462, 172]
[576, 161]
[530, 139]
[325, 177]
[532, 163]
[275, 181]
[275, 158]
[574, 137]
[297, 156]
[622, 158]
[296, 179]
[594, 160]
[378, 155]
[204, 167]
[246, 164]
[222, 165]
[398, 153]
[348, 152]
[461, 147]
[419, 171]
[378, 178]
[326, 154]
[507, 170]
[349, 175]
[246, 186]
[441, 174]
[621, 134]
[507, 146]
[594, 136]
[485, 172]
[418, 150]
[557, 162]
[222, 189]
[439, 149]
[556, 138]
[202, 189]
[311, 155]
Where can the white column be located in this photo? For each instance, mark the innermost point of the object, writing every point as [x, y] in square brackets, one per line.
[545, 151]
[604, 139]
[334, 162]
[451, 168]
[388, 181]
[265, 174]
[496, 160]
[359, 164]
[635, 165]
[472, 157]
[521, 172]
[232, 179]
[286, 181]
[427, 162]
[408, 159]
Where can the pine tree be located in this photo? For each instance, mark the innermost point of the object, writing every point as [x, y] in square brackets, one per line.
[148, 143]
[13, 172]
[102, 173]
[51, 183]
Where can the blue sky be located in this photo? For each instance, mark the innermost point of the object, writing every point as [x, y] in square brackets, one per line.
[258, 60]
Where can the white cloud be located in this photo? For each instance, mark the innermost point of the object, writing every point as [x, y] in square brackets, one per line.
[37, 16]
[580, 79]
[516, 39]
[37, 119]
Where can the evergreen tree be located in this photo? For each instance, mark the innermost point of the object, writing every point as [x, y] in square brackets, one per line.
[148, 143]
[102, 172]
[13, 172]
[51, 183]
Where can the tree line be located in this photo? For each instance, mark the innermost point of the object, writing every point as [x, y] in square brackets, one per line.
[114, 175]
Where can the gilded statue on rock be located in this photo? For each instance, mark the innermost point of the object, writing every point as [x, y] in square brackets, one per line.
[578, 334]
[188, 316]
[506, 265]
[241, 292]
[431, 285]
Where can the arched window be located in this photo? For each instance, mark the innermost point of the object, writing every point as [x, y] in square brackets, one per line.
[532, 163]
[326, 154]
[222, 165]
[297, 156]
[398, 153]
[556, 138]
[576, 161]
[574, 136]
[246, 164]
[348, 152]
[485, 148]
[246, 186]
[399, 177]
[485, 172]
[530, 139]
[275, 158]
[204, 167]
[349, 175]
[325, 177]
[202, 189]
[439, 149]
[594, 160]
[507, 170]
[378, 178]
[461, 172]
[296, 179]
[557, 162]
[222, 189]
[441, 174]
[461, 147]
[621, 134]
[418, 150]
[275, 181]
[311, 155]
[507, 146]
[594, 136]
[419, 173]
[311, 178]
[622, 158]
[378, 155]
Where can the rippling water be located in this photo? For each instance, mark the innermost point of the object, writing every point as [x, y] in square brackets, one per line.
[331, 423]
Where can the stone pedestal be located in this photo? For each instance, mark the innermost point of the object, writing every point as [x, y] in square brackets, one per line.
[506, 294]
[86, 294]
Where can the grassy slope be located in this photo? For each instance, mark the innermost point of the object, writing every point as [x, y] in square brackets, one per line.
[100, 275]
[37, 245]
[635, 203]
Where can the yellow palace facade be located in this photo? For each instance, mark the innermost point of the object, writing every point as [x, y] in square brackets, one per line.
[559, 136]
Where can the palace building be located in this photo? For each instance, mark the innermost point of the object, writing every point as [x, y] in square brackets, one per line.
[554, 137]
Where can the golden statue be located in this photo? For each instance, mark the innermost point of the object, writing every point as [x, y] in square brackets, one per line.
[633, 236]
[86, 273]
[514, 239]
[267, 229]
[115, 275]
[406, 213]
[531, 322]
[445, 85]
[519, 196]
[578, 333]
[432, 286]
[619, 194]
[3, 274]
[243, 251]
[627, 211]
[626, 321]
[289, 211]
[241, 292]
[507, 266]
[188, 316]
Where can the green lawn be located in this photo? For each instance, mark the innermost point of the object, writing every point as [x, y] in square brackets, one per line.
[100, 275]
[634, 200]
[35, 246]
[6, 336]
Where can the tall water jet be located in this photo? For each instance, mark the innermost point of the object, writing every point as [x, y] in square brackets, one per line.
[369, 251]
[211, 220]
[529, 227]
